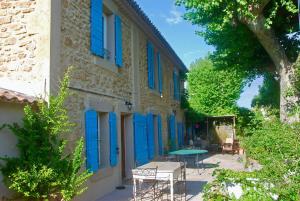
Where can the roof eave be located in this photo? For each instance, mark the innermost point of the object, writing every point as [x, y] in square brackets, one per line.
[143, 20]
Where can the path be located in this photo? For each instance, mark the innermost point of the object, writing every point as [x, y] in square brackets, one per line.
[195, 182]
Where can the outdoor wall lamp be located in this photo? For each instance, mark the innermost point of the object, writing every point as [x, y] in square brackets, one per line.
[128, 104]
[174, 112]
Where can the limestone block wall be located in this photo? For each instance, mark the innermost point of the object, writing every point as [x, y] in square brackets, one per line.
[24, 45]
[95, 82]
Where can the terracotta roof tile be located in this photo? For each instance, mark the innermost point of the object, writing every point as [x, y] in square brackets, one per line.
[7, 95]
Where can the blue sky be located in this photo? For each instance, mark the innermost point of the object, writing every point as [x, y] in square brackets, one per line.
[181, 36]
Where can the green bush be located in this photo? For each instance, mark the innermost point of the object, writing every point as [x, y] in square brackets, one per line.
[276, 146]
[43, 170]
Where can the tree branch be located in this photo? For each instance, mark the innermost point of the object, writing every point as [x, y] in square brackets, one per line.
[257, 10]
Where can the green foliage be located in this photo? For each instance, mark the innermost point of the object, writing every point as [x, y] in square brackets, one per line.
[213, 91]
[269, 93]
[226, 28]
[294, 91]
[43, 170]
[276, 146]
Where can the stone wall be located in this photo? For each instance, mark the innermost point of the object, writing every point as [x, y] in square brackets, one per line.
[24, 45]
[151, 101]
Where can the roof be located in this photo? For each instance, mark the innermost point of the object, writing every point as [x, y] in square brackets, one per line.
[156, 32]
[222, 116]
[7, 95]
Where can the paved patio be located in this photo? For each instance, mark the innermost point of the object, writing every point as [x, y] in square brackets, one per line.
[195, 181]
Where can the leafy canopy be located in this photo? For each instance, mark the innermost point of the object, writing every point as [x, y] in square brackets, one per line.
[226, 28]
[43, 170]
[269, 93]
[213, 91]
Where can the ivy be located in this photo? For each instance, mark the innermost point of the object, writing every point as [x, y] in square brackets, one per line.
[44, 170]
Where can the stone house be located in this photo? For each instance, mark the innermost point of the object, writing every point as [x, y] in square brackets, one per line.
[125, 83]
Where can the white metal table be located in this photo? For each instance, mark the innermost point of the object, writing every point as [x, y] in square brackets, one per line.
[166, 171]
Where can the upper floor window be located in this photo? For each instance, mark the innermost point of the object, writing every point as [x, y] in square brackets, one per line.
[176, 85]
[106, 33]
[155, 76]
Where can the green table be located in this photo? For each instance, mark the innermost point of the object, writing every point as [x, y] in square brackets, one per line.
[186, 152]
[183, 152]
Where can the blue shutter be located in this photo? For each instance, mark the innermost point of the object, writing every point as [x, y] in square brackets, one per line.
[91, 134]
[160, 137]
[178, 87]
[179, 134]
[175, 85]
[150, 135]
[160, 76]
[96, 28]
[172, 132]
[113, 139]
[140, 139]
[150, 60]
[118, 41]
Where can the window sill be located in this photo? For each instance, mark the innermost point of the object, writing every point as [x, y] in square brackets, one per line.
[99, 61]
[155, 92]
[101, 174]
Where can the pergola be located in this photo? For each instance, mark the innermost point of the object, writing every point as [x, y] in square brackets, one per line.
[224, 118]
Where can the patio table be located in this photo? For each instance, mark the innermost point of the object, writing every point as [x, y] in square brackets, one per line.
[186, 152]
[166, 171]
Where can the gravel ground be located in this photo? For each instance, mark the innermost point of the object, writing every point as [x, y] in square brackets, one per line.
[195, 181]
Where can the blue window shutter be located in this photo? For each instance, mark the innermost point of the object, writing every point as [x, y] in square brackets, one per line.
[140, 139]
[118, 41]
[179, 134]
[150, 60]
[96, 28]
[160, 137]
[150, 136]
[172, 132]
[175, 85]
[178, 87]
[91, 134]
[113, 139]
[160, 75]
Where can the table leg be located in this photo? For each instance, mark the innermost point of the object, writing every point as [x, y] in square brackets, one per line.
[172, 187]
[134, 189]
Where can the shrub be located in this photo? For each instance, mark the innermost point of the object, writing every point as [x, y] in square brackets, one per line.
[276, 146]
[43, 170]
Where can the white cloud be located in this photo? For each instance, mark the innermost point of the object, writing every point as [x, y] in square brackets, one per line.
[174, 16]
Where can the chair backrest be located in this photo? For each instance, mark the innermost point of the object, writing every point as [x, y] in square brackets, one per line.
[149, 173]
[229, 140]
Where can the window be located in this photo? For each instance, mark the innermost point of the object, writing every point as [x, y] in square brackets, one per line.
[108, 35]
[103, 136]
[154, 68]
[176, 85]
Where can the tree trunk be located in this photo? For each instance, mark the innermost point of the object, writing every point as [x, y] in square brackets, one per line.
[283, 66]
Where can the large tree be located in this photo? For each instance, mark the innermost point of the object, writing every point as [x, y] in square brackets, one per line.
[268, 95]
[255, 36]
[213, 91]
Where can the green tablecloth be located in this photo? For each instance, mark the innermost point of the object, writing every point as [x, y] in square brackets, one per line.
[188, 152]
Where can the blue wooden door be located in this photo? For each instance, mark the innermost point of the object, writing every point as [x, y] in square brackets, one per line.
[150, 135]
[180, 134]
[160, 137]
[113, 139]
[172, 132]
[140, 139]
